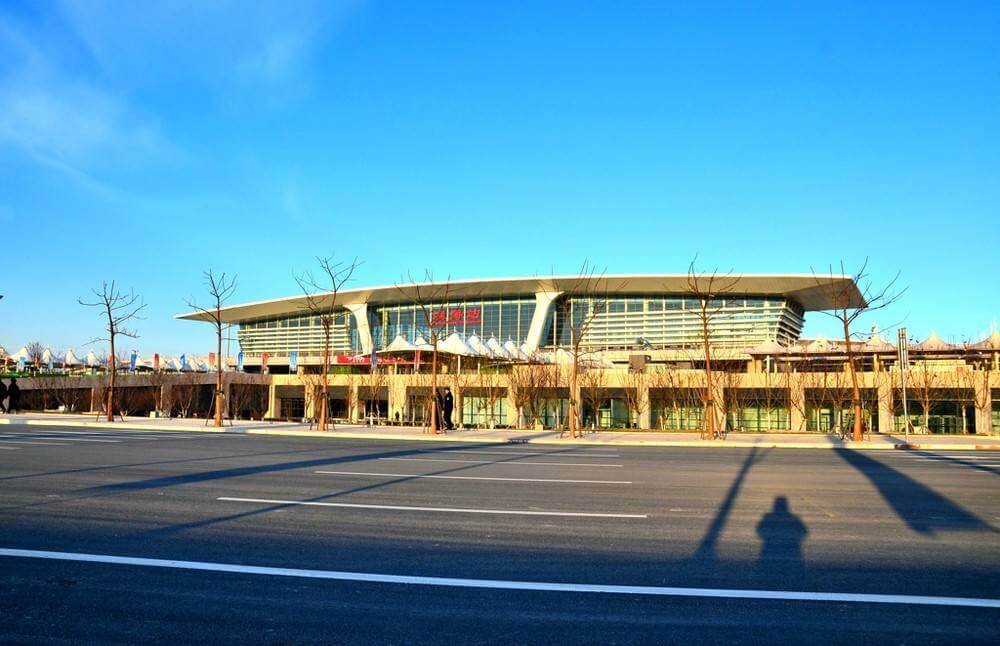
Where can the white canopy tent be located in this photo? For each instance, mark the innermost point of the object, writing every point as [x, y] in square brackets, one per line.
[455, 345]
[21, 354]
[769, 347]
[399, 344]
[92, 360]
[48, 357]
[876, 343]
[933, 342]
[992, 342]
[515, 352]
[421, 344]
[477, 346]
[71, 360]
[496, 350]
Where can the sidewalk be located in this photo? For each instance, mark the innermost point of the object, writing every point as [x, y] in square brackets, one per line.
[632, 438]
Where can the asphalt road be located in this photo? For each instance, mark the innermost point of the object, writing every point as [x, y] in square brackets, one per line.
[732, 525]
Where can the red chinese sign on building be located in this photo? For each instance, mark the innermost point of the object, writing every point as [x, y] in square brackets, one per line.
[455, 317]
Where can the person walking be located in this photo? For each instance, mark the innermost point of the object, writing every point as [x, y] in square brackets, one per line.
[13, 396]
[3, 396]
[449, 406]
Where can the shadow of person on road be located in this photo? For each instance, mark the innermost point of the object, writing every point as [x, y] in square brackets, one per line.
[782, 533]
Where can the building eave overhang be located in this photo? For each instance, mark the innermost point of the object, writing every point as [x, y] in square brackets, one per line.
[813, 293]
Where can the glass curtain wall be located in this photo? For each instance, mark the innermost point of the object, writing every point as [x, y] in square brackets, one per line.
[504, 319]
[645, 321]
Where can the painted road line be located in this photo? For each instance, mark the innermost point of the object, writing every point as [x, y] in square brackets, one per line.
[9, 448]
[524, 453]
[6, 441]
[69, 439]
[499, 584]
[529, 464]
[453, 510]
[413, 475]
[89, 434]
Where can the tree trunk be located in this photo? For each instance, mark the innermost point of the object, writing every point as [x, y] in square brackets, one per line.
[434, 390]
[324, 387]
[111, 382]
[855, 390]
[218, 376]
[708, 400]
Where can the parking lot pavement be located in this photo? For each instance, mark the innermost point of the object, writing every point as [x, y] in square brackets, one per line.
[405, 541]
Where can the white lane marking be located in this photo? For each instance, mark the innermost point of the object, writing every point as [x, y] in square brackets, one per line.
[499, 584]
[89, 434]
[454, 510]
[522, 464]
[6, 441]
[68, 439]
[555, 454]
[412, 475]
[9, 448]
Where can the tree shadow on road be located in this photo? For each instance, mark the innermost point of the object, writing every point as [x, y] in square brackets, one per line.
[920, 507]
[706, 550]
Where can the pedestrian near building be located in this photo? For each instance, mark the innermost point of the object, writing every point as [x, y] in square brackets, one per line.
[3, 396]
[13, 396]
[448, 406]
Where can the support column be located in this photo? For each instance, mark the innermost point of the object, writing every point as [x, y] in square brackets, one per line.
[646, 416]
[273, 403]
[95, 400]
[797, 403]
[984, 413]
[511, 404]
[166, 399]
[357, 407]
[397, 397]
[360, 313]
[310, 392]
[543, 308]
[885, 405]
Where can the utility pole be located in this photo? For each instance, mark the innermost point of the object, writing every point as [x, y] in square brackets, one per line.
[904, 361]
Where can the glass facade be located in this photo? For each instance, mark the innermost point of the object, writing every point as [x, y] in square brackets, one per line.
[506, 319]
[625, 322]
[665, 321]
[301, 333]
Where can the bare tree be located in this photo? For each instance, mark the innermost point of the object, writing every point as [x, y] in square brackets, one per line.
[220, 288]
[373, 382]
[593, 382]
[633, 383]
[118, 308]
[321, 303]
[430, 299]
[577, 316]
[706, 288]
[35, 350]
[846, 309]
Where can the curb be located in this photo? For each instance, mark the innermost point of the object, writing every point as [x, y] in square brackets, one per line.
[130, 426]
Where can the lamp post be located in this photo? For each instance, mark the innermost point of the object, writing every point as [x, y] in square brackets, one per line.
[903, 363]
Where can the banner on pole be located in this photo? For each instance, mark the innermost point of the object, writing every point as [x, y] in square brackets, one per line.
[239, 361]
[132, 359]
[20, 364]
[184, 362]
[293, 361]
[156, 361]
[211, 359]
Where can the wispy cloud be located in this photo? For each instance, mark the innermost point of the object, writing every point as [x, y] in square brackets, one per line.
[225, 48]
[64, 121]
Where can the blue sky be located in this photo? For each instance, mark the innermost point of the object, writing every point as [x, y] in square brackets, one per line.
[147, 142]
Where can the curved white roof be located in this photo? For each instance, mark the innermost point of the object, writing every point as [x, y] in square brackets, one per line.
[812, 292]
